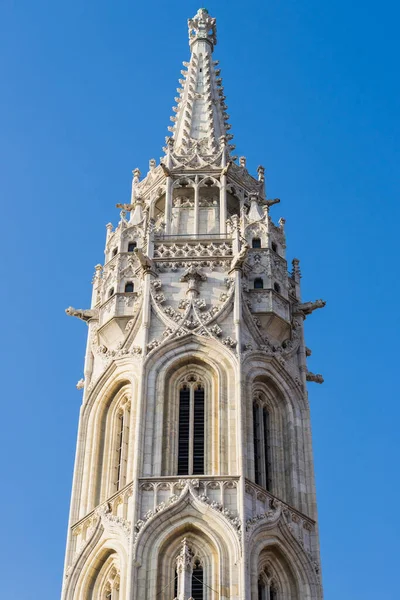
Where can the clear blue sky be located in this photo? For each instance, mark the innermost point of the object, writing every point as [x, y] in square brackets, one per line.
[313, 92]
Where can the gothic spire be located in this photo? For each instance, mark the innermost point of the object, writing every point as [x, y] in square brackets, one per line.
[201, 118]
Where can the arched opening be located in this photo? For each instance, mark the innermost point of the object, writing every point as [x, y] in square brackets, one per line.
[110, 453]
[104, 582]
[129, 288]
[275, 578]
[111, 292]
[191, 429]
[132, 246]
[157, 211]
[188, 566]
[192, 399]
[258, 283]
[114, 252]
[277, 287]
[261, 445]
[209, 209]
[197, 581]
[274, 246]
[270, 439]
[256, 242]
[182, 222]
[232, 201]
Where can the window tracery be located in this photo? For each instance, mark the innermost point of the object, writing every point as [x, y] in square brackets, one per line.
[262, 444]
[267, 584]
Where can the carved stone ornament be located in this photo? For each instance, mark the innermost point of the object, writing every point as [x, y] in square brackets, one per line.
[189, 489]
[193, 276]
[202, 27]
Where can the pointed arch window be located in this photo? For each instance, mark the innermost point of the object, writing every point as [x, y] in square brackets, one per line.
[121, 447]
[256, 242]
[191, 429]
[111, 292]
[261, 443]
[267, 589]
[197, 581]
[258, 283]
[129, 287]
[131, 246]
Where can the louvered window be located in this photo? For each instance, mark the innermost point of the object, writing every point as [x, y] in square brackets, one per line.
[261, 441]
[184, 427]
[198, 432]
[266, 448]
[191, 430]
[197, 582]
[257, 443]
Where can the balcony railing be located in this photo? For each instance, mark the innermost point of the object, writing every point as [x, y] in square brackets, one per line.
[192, 236]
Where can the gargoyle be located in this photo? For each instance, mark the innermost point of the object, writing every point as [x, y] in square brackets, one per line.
[145, 262]
[165, 169]
[316, 378]
[238, 260]
[82, 313]
[226, 169]
[272, 202]
[306, 308]
[127, 207]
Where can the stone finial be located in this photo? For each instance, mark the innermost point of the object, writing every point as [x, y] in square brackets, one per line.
[242, 161]
[261, 173]
[296, 273]
[203, 27]
[184, 558]
[152, 164]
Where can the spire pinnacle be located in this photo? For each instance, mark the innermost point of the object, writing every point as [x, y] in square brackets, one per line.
[200, 118]
[202, 27]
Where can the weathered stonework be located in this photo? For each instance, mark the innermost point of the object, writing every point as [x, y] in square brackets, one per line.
[195, 294]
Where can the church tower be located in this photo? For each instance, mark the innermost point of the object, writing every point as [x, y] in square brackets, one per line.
[194, 468]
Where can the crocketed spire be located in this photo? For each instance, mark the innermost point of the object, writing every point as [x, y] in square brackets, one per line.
[201, 117]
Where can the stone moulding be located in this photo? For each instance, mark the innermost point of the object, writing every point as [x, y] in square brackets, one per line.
[189, 493]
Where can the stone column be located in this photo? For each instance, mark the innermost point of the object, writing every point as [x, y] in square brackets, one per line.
[168, 206]
[196, 206]
[222, 191]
